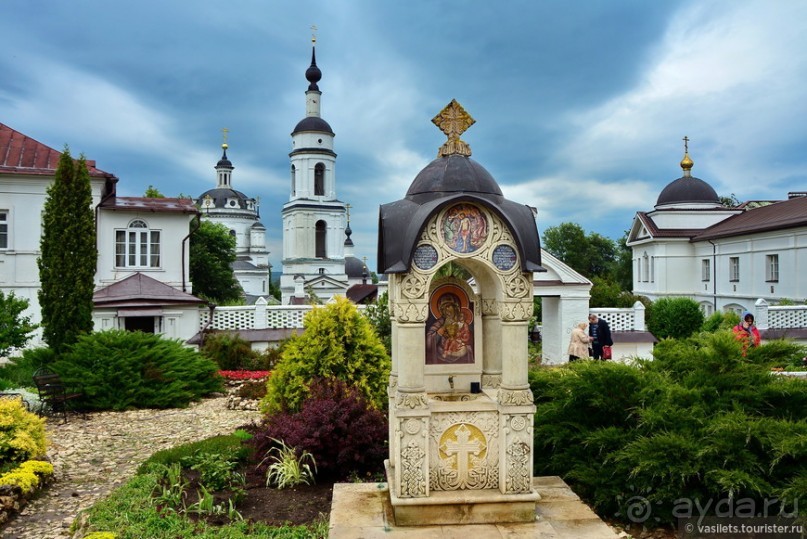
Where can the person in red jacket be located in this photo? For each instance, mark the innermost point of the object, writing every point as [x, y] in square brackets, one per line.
[747, 332]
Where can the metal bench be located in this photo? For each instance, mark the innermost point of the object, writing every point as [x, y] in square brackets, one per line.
[55, 397]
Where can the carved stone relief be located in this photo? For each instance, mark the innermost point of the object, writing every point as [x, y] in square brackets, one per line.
[515, 397]
[413, 480]
[464, 449]
[491, 380]
[412, 401]
[518, 440]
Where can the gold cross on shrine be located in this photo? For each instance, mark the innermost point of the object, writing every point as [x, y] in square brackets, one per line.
[224, 132]
[453, 121]
[313, 33]
[464, 448]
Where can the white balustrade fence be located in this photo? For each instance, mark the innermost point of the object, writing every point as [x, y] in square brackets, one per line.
[258, 316]
[626, 319]
[779, 316]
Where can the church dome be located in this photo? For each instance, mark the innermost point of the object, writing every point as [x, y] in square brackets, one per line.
[354, 268]
[224, 198]
[454, 174]
[688, 190]
[313, 123]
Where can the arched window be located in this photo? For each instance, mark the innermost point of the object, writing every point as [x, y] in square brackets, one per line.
[319, 179]
[320, 240]
[293, 181]
[137, 246]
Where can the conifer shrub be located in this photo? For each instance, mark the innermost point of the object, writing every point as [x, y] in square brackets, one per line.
[699, 422]
[336, 425]
[677, 318]
[337, 342]
[230, 351]
[22, 433]
[720, 321]
[121, 370]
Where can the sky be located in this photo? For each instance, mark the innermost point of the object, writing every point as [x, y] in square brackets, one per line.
[580, 107]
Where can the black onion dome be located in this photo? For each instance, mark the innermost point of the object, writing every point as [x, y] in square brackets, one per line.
[313, 123]
[354, 268]
[313, 74]
[688, 190]
[452, 174]
[221, 195]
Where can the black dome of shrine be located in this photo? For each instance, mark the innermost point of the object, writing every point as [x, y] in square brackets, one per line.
[446, 181]
[687, 190]
[453, 174]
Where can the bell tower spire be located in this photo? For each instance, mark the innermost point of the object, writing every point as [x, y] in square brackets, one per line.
[314, 220]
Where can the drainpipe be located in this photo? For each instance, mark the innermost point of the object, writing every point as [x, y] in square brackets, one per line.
[714, 274]
[198, 220]
[104, 198]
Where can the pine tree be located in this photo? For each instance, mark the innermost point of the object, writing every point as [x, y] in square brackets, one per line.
[69, 255]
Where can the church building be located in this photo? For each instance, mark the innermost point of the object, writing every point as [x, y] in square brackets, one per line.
[240, 214]
[725, 258]
[317, 250]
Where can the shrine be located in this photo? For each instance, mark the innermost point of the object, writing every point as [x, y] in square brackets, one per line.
[460, 259]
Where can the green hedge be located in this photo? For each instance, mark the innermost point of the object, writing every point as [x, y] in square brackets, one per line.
[120, 370]
[699, 422]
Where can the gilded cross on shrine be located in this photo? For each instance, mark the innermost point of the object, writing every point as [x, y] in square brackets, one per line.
[224, 132]
[453, 120]
[464, 448]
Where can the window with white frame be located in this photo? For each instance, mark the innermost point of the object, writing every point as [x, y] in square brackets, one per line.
[652, 269]
[3, 229]
[706, 270]
[772, 268]
[137, 246]
[734, 269]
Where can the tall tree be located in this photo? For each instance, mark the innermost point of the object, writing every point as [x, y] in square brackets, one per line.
[15, 329]
[212, 253]
[68, 259]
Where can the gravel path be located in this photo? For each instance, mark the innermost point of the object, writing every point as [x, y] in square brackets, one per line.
[93, 456]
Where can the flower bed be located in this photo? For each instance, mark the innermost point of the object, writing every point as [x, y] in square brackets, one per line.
[20, 484]
[244, 375]
[236, 380]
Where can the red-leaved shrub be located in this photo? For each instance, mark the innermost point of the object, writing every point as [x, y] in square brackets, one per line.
[335, 424]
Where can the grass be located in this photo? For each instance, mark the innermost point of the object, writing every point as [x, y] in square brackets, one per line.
[129, 511]
[132, 513]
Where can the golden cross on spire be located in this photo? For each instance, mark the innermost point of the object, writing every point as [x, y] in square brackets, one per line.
[224, 132]
[686, 144]
[347, 207]
[313, 33]
[453, 121]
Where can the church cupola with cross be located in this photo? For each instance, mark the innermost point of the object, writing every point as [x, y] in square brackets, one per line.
[240, 214]
[314, 219]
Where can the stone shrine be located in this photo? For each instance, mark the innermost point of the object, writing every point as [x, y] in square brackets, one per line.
[460, 406]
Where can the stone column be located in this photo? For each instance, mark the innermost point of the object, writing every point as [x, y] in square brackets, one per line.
[492, 346]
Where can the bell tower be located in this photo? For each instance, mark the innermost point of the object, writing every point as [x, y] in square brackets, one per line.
[314, 220]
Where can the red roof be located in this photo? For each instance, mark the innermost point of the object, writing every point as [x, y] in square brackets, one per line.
[791, 213]
[140, 290]
[176, 205]
[20, 154]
